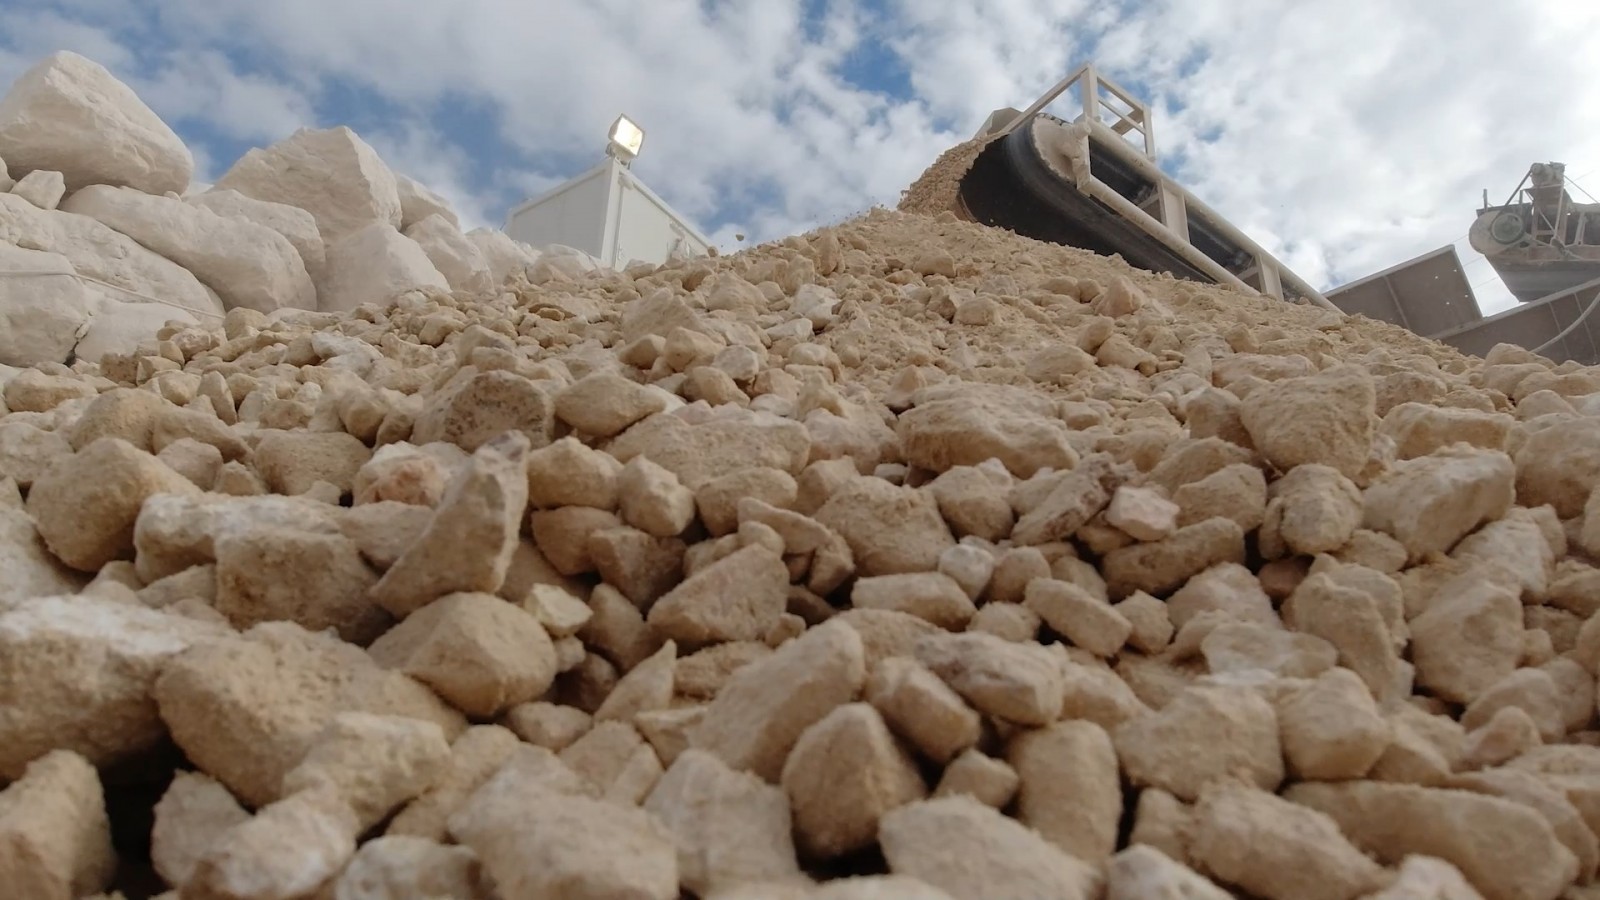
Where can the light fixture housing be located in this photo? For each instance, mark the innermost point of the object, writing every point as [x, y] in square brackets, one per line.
[626, 139]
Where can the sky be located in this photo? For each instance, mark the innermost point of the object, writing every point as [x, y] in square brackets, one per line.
[1344, 137]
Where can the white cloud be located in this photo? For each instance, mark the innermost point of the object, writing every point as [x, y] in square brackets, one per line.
[1345, 137]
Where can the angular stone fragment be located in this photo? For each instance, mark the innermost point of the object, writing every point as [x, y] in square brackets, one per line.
[1312, 509]
[1070, 790]
[845, 772]
[483, 406]
[1327, 418]
[969, 501]
[1237, 492]
[647, 687]
[1278, 850]
[475, 756]
[990, 781]
[700, 453]
[331, 173]
[567, 473]
[763, 709]
[1205, 735]
[1144, 873]
[931, 596]
[718, 499]
[1468, 639]
[372, 763]
[653, 500]
[1550, 801]
[1354, 621]
[1142, 513]
[1331, 728]
[969, 426]
[459, 260]
[1075, 498]
[1507, 850]
[1229, 646]
[605, 404]
[1085, 621]
[193, 813]
[736, 598]
[922, 709]
[539, 836]
[891, 530]
[31, 570]
[318, 580]
[76, 674]
[1531, 690]
[1420, 428]
[973, 852]
[616, 761]
[1159, 567]
[468, 544]
[395, 867]
[1018, 682]
[479, 652]
[55, 838]
[1430, 502]
[86, 505]
[245, 709]
[249, 859]
[1559, 465]
[729, 826]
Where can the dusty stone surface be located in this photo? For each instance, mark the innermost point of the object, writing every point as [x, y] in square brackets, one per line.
[246, 709]
[55, 837]
[971, 851]
[1505, 849]
[1104, 549]
[480, 653]
[844, 774]
[189, 818]
[729, 826]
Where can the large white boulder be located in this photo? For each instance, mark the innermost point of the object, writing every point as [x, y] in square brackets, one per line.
[418, 203]
[374, 265]
[294, 223]
[6, 181]
[248, 265]
[106, 255]
[120, 327]
[457, 259]
[331, 173]
[70, 115]
[506, 257]
[43, 306]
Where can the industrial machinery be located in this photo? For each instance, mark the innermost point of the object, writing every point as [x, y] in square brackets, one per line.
[1085, 184]
[1540, 240]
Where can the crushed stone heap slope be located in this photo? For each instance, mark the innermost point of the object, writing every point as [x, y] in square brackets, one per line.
[904, 558]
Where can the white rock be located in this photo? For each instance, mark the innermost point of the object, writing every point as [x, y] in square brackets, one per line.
[247, 265]
[70, 115]
[505, 256]
[118, 327]
[6, 181]
[372, 265]
[294, 223]
[106, 255]
[331, 173]
[41, 187]
[41, 313]
[459, 260]
[418, 203]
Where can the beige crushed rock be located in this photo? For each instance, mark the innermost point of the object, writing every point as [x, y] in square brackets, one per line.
[55, 837]
[747, 556]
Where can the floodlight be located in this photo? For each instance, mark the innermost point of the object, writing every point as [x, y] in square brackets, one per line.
[626, 139]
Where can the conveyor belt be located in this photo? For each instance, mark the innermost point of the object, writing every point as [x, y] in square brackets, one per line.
[1010, 186]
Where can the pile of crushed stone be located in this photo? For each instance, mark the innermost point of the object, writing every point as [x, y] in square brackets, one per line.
[904, 559]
